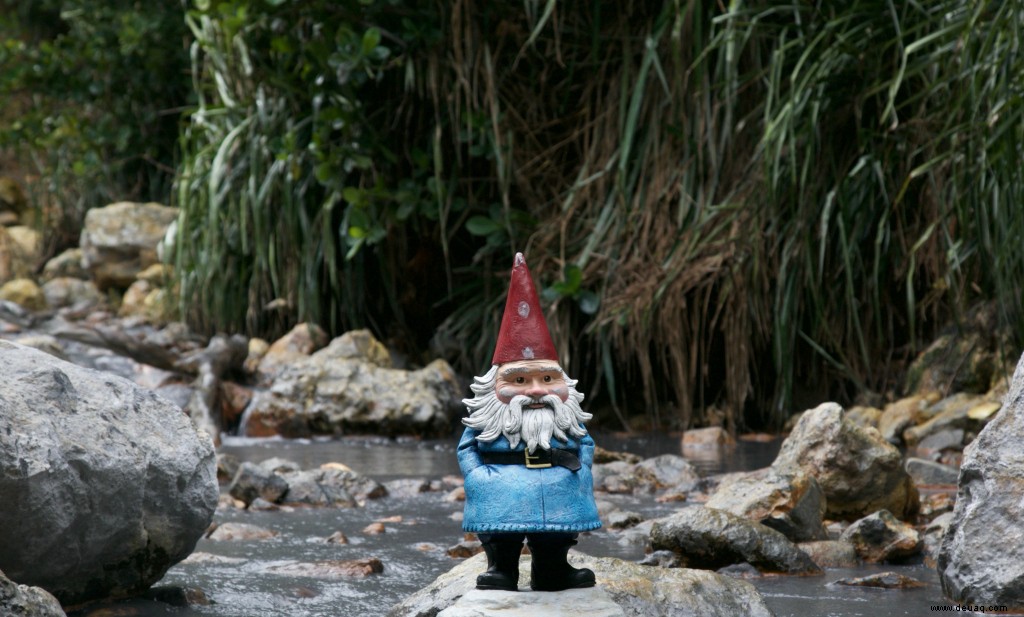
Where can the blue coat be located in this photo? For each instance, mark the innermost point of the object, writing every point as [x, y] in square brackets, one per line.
[514, 498]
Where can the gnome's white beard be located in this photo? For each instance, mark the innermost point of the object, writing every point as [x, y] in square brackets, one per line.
[493, 418]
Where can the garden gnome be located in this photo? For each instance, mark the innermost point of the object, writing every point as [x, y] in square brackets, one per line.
[525, 455]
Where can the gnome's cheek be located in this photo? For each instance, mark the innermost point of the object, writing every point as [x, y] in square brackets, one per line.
[561, 392]
[505, 395]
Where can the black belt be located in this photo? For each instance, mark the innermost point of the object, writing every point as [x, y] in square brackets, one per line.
[540, 459]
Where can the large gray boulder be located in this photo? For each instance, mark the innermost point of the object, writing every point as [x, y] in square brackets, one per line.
[858, 471]
[707, 538]
[982, 556]
[104, 485]
[349, 387]
[639, 591]
[25, 601]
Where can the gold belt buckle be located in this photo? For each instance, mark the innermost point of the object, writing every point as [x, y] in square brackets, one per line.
[536, 457]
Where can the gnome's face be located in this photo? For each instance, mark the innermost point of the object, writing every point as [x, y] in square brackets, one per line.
[533, 378]
[543, 406]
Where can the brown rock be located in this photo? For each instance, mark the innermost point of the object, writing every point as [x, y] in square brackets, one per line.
[240, 531]
[831, 553]
[332, 568]
[374, 529]
[881, 537]
[882, 580]
[465, 549]
[858, 471]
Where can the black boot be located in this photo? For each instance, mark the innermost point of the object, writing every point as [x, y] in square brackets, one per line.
[502, 565]
[550, 570]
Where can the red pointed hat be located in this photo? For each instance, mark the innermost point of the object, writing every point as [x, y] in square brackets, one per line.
[524, 332]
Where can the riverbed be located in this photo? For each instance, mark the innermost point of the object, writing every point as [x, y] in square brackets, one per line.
[274, 578]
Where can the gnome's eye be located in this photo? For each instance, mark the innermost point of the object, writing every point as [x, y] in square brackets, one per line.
[547, 378]
[520, 380]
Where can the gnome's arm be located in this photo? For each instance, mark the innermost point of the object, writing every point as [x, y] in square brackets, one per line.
[587, 451]
[469, 456]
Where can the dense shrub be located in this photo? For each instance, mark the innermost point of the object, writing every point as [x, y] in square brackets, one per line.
[93, 92]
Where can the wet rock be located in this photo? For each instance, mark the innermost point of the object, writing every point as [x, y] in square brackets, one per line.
[709, 437]
[858, 471]
[234, 398]
[665, 471]
[25, 293]
[252, 481]
[330, 392]
[337, 537]
[789, 501]
[962, 361]
[740, 570]
[635, 589]
[24, 601]
[375, 529]
[147, 302]
[710, 539]
[831, 553]
[226, 532]
[662, 559]
[318, 487]
[930, 473]
[297, 344]
[934, 532]
[668, 471]
[328, 569]
[227, 467]
[465, 549]
[182, 597]
[935, 504]
[45, 343]
[602, 456]
[882, 580]
[622, 519]
[65, 291]
[19, 252]
[950, 413]
[120, 240]
[934, 445]
[258, 348]
[100, 469]
[67, 264]
[408, 487]
[901, 415]
[980, 559]
[864, 416]
[593, 602]
[881, 537]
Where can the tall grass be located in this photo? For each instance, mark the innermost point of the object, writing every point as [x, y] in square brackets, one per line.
[731, 211]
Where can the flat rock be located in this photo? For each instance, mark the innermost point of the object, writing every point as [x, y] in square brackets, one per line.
[930, 473]
[637, 590]
[709, 538]
[592, 602]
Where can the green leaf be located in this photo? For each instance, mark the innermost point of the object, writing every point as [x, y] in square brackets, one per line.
[356, 232]
[482, 226]
[352, 195]
[371, 39]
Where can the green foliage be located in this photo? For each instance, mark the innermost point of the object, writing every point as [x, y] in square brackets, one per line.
[92, 93]
[739, 207]
[288, 174]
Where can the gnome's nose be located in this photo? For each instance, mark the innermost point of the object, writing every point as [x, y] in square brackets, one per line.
[535, 392]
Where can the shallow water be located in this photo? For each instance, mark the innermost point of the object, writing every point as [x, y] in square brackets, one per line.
[264, 578]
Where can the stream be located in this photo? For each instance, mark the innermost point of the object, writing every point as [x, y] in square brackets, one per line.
[272, 577]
